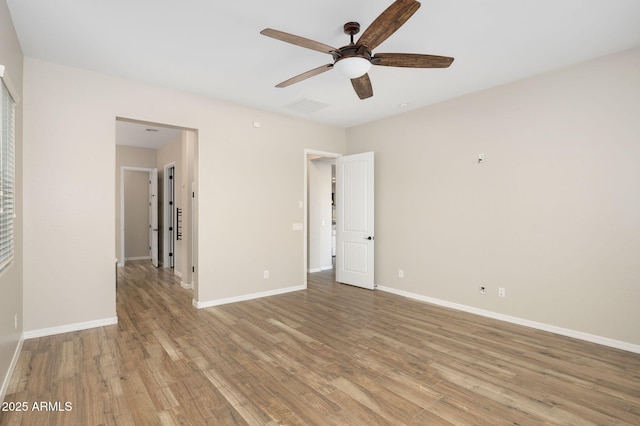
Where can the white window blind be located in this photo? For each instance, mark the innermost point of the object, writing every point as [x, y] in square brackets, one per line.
[7, 171]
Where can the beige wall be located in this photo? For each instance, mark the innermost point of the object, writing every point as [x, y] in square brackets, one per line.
[169, 153]
[136, 214]
[184, 201]
[11, 280]
[552, 215]
[248, 177]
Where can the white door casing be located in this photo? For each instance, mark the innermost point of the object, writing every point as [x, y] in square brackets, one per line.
[355, 220]
[153, 216]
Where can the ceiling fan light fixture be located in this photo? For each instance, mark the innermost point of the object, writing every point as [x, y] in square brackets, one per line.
[353, 66]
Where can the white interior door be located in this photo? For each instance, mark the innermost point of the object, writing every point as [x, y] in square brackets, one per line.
[153, 216]
[355, 220]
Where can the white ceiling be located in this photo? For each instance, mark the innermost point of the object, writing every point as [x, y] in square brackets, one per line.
[214, 48]
[144, 135]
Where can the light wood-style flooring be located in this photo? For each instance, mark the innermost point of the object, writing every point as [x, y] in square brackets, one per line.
[332, 354]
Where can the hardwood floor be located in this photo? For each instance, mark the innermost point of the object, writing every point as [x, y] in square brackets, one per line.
[332, 354]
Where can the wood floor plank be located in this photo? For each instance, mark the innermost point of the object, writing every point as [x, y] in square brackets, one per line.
[328, 355]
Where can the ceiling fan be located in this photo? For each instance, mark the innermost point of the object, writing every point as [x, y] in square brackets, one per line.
[355, 59]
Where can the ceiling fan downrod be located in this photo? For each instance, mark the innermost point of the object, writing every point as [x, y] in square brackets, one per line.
[351, 29]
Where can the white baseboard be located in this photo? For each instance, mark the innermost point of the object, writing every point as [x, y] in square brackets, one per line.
[12, 367]
[186, 285]
[121, 264]
[218, 302]
[618, 344]
[177, 273]
[32, 334]
[320, 269]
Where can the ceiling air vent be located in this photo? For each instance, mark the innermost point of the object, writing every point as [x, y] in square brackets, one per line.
[305, 105]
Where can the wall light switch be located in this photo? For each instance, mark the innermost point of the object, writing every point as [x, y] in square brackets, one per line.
[297, 226]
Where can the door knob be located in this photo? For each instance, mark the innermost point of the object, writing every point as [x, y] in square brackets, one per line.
[369, 238]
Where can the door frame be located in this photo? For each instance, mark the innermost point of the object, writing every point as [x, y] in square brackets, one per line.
[168, 237]
[121, 259]
[305, 205]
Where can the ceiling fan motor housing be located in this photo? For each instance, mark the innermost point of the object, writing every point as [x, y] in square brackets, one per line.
[351, 50]
[353, 60]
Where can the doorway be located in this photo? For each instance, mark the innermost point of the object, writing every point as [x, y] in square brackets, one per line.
[138, 214]
[354, 218]
[319, 217]
[173, 152]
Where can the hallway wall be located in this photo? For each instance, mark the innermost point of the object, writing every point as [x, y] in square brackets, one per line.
[136, 214]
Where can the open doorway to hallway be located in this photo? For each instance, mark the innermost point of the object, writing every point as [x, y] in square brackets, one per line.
[172, 153]
[320, 184]
[354, 218]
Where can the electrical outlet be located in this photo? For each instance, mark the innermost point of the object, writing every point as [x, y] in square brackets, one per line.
[502, 292]
[400, 273]
[266, 275]
[15, 322]
[483, 290]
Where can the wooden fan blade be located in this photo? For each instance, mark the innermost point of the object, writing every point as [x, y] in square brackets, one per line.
[388, 23]
[298, 41]
[411, 60]
[362, 86]
[305, 75]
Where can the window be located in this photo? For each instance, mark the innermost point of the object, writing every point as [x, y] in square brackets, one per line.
[7, 171]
